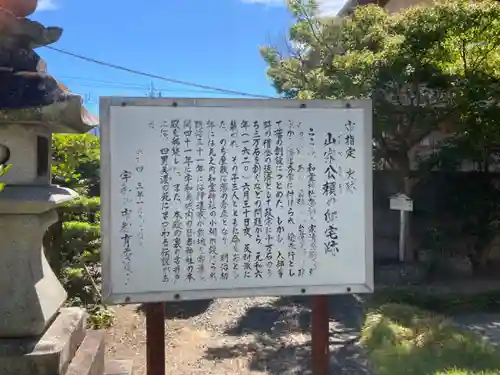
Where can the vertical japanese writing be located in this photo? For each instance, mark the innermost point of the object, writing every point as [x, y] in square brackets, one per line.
[257, 212]
[235, 239]
[290, 195]
[330, 191]
[350, 184]
[224, 190]
[246, 151]
[200, 200]
[247, 262]
[246, 198]
[165, 205]
[349, 140]
[247, 174]
[311, 195]
[176, 154]
[301, 206]
[177, 222]
[165, 201]
[139, 197]
[188, 203]
[212, 225]
[279, 165]
[177, 228]
[125, 227]
[268, 181]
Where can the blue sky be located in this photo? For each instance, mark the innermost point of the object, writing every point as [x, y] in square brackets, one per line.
[211, 42]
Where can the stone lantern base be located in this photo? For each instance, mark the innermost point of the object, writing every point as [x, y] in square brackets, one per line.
[37, 336]
[33, 293]
[65, 348]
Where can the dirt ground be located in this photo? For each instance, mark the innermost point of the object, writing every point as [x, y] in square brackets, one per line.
[241, 336]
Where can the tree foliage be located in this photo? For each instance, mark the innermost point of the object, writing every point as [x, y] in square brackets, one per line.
[417, 66]
[76, 162]
[3, 170]
[429, 71]
[75, 243]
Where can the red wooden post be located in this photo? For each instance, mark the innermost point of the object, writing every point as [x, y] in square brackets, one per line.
[155, 339]
[320, 332]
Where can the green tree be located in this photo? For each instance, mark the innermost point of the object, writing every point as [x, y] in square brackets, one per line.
[470, 52]
[77, 162]
[406, 63]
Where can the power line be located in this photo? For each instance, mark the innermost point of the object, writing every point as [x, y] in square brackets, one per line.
[88, 81]
[91, 83]
[171, 80]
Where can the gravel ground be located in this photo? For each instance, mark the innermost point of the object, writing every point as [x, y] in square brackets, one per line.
[242, 336]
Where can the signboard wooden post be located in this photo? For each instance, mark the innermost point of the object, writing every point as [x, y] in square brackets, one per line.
[211, 198]
[404, 204]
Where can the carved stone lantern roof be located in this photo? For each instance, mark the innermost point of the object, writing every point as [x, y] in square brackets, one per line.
[64, 116]
[33, 105]
[19, 8]
[28, 95]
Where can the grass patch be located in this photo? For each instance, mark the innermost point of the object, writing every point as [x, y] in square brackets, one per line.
[442, 303]
[402, 339]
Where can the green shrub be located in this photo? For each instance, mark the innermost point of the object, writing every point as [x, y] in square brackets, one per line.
[79, 238]
[77, 162]
[81, 270]
[75, 241]
[403, 339]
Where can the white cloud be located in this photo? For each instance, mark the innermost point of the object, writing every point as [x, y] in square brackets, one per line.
[326, 7]
[46, 5]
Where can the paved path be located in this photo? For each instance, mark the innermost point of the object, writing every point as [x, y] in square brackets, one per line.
[483, 324]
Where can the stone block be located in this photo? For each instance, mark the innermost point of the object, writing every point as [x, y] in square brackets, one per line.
[89, 359]
[49, 353]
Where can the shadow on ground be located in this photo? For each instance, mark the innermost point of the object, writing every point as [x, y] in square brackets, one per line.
[183, 309]
[277, 337]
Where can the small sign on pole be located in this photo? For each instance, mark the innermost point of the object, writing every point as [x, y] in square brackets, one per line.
[404, 204]
[401, 202]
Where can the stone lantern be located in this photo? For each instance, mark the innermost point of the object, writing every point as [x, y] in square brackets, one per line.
[37, 335]
[31, 294]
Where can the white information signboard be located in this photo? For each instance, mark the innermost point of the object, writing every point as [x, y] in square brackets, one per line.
[205, 198]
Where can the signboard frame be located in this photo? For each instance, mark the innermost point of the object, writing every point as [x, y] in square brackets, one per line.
[110, 297]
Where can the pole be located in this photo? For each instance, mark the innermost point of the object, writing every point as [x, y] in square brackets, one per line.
[155, 339]
[402, 235]
[320, 332]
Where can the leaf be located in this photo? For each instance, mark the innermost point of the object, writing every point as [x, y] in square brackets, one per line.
[3, 170]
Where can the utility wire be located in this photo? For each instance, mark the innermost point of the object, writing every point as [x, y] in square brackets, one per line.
[98, 84]
[171, 80]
